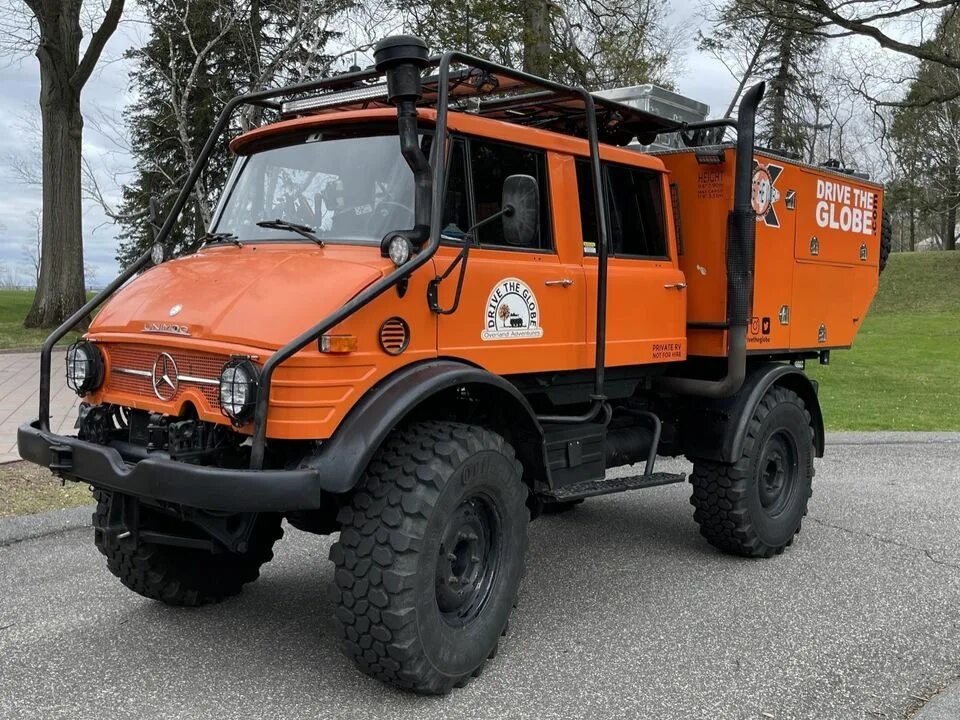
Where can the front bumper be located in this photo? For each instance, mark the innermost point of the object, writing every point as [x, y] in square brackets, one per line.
[160, 478]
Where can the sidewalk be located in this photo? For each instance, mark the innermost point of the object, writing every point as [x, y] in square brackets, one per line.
[19, 385]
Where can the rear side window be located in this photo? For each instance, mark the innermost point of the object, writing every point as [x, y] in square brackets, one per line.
[491, 164]
[634, 207]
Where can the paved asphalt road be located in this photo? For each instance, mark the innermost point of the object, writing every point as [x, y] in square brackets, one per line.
[624, 612]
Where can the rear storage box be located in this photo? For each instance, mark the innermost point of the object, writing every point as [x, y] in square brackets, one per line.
[817, 250]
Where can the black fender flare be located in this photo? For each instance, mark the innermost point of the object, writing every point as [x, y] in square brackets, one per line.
[342, 459]
[721, 433]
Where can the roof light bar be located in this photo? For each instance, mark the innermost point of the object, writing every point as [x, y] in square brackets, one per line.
[345, 97]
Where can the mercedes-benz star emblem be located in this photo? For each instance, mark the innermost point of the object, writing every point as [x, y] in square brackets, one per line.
[166, 378]
[175, 309]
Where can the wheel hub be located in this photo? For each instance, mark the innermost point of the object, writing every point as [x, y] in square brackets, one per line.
[467, 560]
[777, 473]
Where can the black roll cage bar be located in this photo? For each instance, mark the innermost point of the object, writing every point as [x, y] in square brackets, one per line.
[266, 99]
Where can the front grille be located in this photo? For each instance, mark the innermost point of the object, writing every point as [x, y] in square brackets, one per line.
[191, 367]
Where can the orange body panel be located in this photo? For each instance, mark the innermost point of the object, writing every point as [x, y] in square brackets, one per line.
[803, 299]
[226, 301]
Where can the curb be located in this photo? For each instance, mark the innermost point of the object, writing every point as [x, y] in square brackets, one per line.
[886, 437]
[943, 706]
[29, 527]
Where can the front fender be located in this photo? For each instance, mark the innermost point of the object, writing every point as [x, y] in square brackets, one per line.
[347, 453]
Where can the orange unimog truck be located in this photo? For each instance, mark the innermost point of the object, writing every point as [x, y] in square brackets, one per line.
[438, 298]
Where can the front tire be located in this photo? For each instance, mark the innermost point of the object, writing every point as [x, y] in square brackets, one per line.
[754, 506]
[178, 575]
[430, 556]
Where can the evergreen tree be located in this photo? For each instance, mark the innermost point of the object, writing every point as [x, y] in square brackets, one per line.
[582, 42]
[200, 54]
[778, 48]
[926, 135]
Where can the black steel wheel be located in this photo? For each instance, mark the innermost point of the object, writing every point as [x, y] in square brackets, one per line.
[430, 556]
[755, 506]
[468, 560]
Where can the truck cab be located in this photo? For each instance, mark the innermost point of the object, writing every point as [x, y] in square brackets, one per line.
[438, 298]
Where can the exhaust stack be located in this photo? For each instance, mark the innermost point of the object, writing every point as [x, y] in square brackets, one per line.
[741, 240]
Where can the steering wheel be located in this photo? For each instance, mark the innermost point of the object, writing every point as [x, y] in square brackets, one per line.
[382, 209]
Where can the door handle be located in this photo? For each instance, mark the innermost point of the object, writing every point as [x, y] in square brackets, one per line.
[675, 286]
[563, 282]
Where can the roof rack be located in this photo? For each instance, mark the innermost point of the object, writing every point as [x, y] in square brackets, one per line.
[494, 95]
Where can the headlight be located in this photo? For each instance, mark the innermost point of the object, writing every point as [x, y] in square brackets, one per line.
[399, 249]
[238, 389]
[84, 367]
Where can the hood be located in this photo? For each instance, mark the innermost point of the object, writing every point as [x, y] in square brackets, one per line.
[260, 295]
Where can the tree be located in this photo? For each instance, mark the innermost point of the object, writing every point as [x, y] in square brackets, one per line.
[874, 20]
[926, 136]
[201, 53]
[754, 45]
[596, 44]
[54, 29]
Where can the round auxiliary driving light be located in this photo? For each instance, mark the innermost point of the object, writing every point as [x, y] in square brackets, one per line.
[399, 250]
[156, 254]
[84, 367]
[238, 389]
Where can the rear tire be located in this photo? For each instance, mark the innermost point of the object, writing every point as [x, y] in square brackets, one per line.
[886, 239]
[430, 556]
[754, 507]
[182, 576]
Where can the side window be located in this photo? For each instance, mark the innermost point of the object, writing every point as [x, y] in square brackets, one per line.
[490, 165]
[588, 208]
[634, 206]
[456, 204]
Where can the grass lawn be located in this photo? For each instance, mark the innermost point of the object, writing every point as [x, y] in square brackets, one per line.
[14, 306]
[903, 372]
[28, 489]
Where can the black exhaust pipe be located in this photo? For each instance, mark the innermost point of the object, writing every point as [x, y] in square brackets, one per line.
[402, 59]
[741, 241]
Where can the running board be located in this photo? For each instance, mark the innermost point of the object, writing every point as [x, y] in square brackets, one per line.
[590, 488]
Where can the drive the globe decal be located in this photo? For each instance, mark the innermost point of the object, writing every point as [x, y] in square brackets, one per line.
[512, 312]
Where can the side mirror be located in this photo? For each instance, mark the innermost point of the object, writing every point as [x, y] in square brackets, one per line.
[521, 227]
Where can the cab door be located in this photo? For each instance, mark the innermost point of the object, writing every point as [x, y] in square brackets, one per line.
[646, 290]
[521, 308]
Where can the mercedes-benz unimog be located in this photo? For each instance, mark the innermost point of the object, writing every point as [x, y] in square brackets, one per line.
[438, 298]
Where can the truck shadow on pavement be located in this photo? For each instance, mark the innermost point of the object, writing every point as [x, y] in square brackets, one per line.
[580, 564]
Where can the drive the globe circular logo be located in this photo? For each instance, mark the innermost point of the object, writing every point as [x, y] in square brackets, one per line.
[512, 312]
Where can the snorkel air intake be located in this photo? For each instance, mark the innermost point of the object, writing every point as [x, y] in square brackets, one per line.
[402, 59]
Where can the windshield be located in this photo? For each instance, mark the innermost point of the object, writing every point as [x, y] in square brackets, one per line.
[348, 189]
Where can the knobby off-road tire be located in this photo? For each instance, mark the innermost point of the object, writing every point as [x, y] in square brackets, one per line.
[430, 556]
[182, 576]
[886, 238]
[754, 507]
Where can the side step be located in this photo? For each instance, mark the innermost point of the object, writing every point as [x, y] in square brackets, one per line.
[590, 488]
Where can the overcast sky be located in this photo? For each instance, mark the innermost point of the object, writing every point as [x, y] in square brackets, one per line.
[108, 92]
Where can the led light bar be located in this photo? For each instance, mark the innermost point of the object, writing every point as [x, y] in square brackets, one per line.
[345, 97]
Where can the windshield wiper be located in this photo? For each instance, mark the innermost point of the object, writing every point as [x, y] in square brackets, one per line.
[217, 237]
[302, 230]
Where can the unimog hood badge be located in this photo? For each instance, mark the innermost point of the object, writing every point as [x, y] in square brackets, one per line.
[168, 328]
